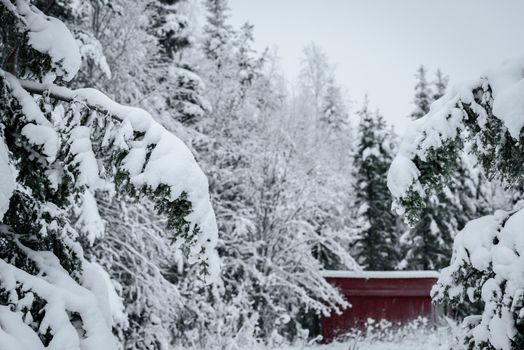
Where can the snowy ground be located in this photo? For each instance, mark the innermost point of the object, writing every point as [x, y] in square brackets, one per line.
[424, 342]
[378, 337]
[414, 336]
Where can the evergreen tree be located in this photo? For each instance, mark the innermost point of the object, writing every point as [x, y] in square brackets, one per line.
[178, 84]
[423, 94]
[217, 32]
[170, 27]
[135, 248]
[440, 85]
[376, 243]
[428, 243]
[248, 64]
[486, 266]
[57, 148]
[334, 110]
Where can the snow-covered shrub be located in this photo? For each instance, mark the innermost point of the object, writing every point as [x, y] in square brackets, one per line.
[486, 266]
[57, 147]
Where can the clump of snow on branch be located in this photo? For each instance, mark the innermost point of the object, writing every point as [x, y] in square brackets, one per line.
[446, 120]
[442, 123]
[170, 162]
[39, 130]
[92, 302]
[491, 247]
[49, 36]
[507, 83]
[89, 221]
[403, 173]
[7, 184]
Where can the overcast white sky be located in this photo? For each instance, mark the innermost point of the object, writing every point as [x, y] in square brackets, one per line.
[378, 44]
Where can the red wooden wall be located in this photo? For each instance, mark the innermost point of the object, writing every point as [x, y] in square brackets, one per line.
[395, 296]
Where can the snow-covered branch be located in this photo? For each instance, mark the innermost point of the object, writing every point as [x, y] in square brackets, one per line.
[483, 118]
[153, 161]
[65, 94]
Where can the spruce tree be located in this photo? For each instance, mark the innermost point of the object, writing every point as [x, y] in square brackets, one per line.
[334, 110]
[134, 247]
[57, 147]
[440, 84]
[180, 86]
[428, 243]
[217, 32]
[376, 245]
[169, 27]
[248, 65]
[486, 269]
[423, 94]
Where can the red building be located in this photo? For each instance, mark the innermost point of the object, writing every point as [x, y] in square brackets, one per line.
[397, 296]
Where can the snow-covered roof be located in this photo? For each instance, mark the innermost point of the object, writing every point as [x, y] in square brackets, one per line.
[380, 274]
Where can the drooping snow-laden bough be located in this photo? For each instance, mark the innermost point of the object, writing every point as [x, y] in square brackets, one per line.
[483, 118]
[57, 147]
